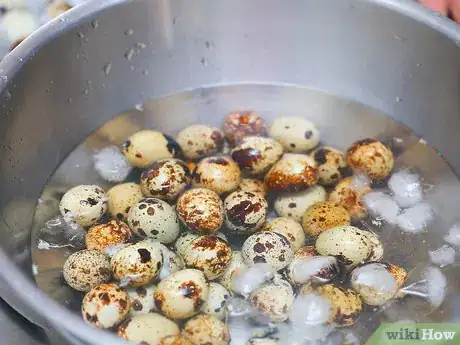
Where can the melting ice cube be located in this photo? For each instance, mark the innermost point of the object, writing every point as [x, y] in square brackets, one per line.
[111, 164]
[453, 236]
[382, 205]
[251, 278]
[416, 218]
[442, 256]
[406, 188]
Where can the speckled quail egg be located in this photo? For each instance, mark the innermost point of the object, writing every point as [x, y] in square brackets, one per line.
[253, 186]
[370, 157]
[377, 246]
[289, 228]
[349, 196]
[147, 146]
[376, 282]
[238, 125]
[148, 329]
[121, 198]
[348, 244]
[172, 262]
[154, 218]
[105, 306]
[331, 163]
[137, 264]
[209, 254]
[182, 294]
[235, 266]
[107, 234]
[256, 155]
[217, 300]
[200, 210]
[18, 24]
[322, 216]
[142, 299]
[84, 204]
[263, 341]
[307, 266]
[8, 5]
[86, 269]
[165, 179]
[198, 141]
[183, 241]
[206, 329]
[175, 340]
[294, 172]
[273, 300]
[267, 247]
[294, 205]
[56, 8]
[295, 133]
[245, 212]
[220, 174]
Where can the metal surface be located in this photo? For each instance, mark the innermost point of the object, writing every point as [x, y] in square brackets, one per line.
[392, 56]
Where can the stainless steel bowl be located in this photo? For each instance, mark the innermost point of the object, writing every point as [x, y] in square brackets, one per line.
[104, 57]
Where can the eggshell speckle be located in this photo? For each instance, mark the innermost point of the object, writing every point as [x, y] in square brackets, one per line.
[322, 216]
[217, 300]
[107, 234]
[253, 186]
[142, 299]
[206, 329]
[332, 166]
[198, 141]
[220, 174]
[350, 197]
[245, 212]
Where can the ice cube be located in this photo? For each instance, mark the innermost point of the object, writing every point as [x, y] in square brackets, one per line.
[238, 306]
[248, 280]
[127, 279]
[61, 232]
[453, 236]
[316, 268]
[406, 188]
[442, 256]
[310, 309]
[112, 250]
[111, 164]
[382, 205]
[436, 285]
[416, 218]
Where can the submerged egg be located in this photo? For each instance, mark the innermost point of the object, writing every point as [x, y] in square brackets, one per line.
[289, 228]
[253, 186]
[217, 300]
[121, 198]
[245, 212]
[206, 329]
[238, 125]
[322, 216]
[331, 163]
[295, 133]
[349, 193]
[198, 141]
[220, 174]
[107, 234]
[142, 299]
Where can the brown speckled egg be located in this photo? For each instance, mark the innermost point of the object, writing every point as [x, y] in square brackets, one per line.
[182, 294]
[183, 241]
[206, 329]
[198, 141]
[107, 235]
[148, 329]
[154, 218]
[217, 301]
[322, 216]
[331, 163]
[175, 340]
[147, 146]
[289, 228]
[236, 265]
[253, 186]
[200, 210]
[245, 212]
[267, 247]
[273, 300]
[209, 254]
[137, 264]
[84, 204]
[105, 306]
[256, 155]
[86, 269]
[220, 174]
[377, 246]
[370, 157]
[121, 198]
[238, 125]
[142, 299]
[165, 179]
[294, 205]
[346, 195]
[295, 133]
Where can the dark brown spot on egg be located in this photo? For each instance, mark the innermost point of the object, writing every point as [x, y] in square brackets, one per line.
[142, 292]
[141, 232]
[308, 134]
[159, 300]
[144, 255]
[150, 211]
[259, 248]
[320, 155]
[190, 290]
[136, 305]
[259, 259]
[219, 161]
[247, 158]
[92, 201]
[123, 303]
[154, 232]
[292, 145]
[282, 258]
[104, 297]
[142, 206]
[104, 271]
[138, 155]
[120, 216]
[206, 242]
[237, 214]
[91, 318]
[292, 205]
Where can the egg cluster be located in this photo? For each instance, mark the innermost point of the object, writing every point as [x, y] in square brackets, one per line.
[164, 266]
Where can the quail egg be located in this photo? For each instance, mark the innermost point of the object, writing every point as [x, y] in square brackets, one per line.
[347, 194]
[147, 146]
[148, 329]
[294, 205]
[171, 262]
[137, 264]
[17, 24]
[84, 204]
[166, 179]
[307, 266]
[121, 198]
[267, 247]
[245, 212]
[322, 216]
[107, 234]
[289, 228]
[142, 299]
[209, 254]
[256, 155]
[198, 141]
[183, 241]
[206, 329]
[253, 186]
[56, 8]
[273, 300]
[376, 282]
[154, 218]
[370, 157]
[235, 266]
[377, 246]
[217, 300]
[86, 269]
[200, 210]
[331, 163]
[105, 306]
[238, 125]
[295, 133]
[220, 174]
[182, 294]
[175, 340]
[294, 172]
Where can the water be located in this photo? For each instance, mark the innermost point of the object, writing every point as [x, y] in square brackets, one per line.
[341, 122]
